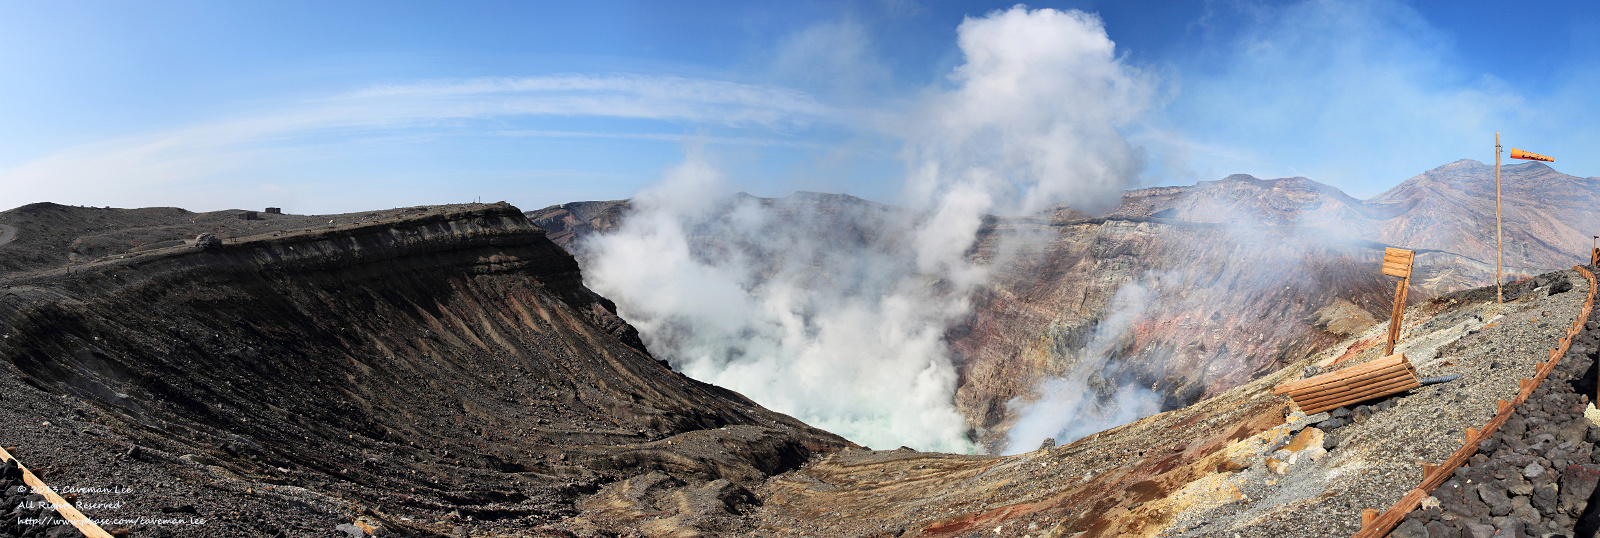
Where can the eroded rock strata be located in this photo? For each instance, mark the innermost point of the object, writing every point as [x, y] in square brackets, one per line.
[416, 370]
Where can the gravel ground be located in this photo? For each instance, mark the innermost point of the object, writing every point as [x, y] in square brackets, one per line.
[1536, 475]
[27, 513]
[79, 451]
[1375, 450]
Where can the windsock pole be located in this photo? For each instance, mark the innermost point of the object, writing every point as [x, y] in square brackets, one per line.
[1498, 296]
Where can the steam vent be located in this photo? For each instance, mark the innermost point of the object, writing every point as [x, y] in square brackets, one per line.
[451, 371]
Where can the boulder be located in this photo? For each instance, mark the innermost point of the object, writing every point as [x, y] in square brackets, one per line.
[1438, 529]
[1309, 437]
[1545, 498]
[1508, 526]
[1523, 509]
[1410, 529]
[1577, 482]
[207, 241]
[1532, 471]
[1499, 503]
[1477, 530]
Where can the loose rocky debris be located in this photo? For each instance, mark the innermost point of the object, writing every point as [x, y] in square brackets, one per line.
[24, 513]
[1374, 450]
[1536, 475]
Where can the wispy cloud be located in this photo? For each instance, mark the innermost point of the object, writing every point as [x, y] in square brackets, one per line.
[173, 167]
[668, 137]
[1360, 94]
[616, 95]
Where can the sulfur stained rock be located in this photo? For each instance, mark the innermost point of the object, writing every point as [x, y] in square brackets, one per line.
[1277, 466]
[1308, 437]
[1234, 463]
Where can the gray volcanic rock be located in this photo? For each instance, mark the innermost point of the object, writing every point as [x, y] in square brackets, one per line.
[422, 369]
[566, 223]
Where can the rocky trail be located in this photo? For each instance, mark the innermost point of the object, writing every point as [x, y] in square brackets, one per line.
[1536, 475]
[1315, 475]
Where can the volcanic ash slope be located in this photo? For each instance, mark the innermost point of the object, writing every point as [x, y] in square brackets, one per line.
[427, 371]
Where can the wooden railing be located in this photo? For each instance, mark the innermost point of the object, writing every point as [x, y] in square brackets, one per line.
[68, 513]
[1374, 524]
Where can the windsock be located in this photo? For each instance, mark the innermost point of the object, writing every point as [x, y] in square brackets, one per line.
[1519, 154]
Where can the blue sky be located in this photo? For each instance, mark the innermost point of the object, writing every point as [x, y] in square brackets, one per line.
[331, 107]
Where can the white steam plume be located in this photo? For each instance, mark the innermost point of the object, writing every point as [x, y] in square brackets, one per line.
[1034, 119]
[835, 310]
[1089, 397]
[844, 335]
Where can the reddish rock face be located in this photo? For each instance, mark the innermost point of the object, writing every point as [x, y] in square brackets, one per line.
[1220, 306]
[1234, 278]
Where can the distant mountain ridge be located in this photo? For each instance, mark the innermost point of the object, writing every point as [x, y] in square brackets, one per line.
[1546, 215]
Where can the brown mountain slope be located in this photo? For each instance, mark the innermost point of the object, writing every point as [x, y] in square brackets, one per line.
[1216, 307]
[1547, 216]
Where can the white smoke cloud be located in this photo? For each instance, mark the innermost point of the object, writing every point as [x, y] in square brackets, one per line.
[1089, 397]
[844, 336]
[1254, 261]
[838, 316]
[1035, 116]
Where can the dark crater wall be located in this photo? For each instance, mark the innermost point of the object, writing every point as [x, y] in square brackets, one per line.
[444, 364]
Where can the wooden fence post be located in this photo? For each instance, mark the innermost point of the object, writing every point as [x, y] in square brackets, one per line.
[1397, 262]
